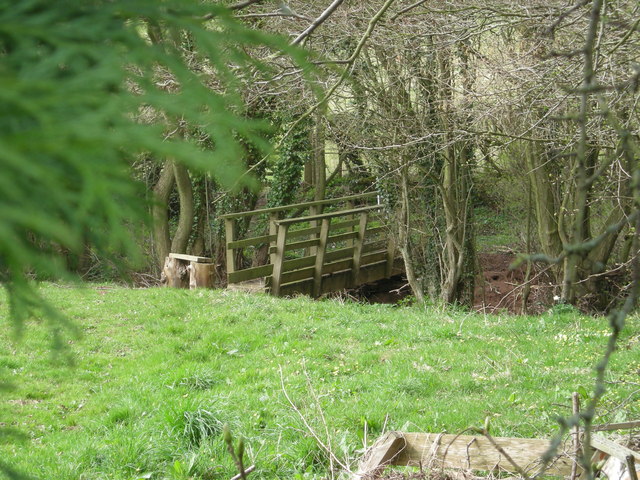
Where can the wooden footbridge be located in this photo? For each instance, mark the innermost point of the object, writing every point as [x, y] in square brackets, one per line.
[314, 247]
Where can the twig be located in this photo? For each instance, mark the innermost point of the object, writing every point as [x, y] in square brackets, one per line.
[317, 22]
[576, 435]
[309, 428]
[503, 452]
[349, 62]
[405, 10]
[247, 471]
[246, 3]
[473, 440]
[631, 465]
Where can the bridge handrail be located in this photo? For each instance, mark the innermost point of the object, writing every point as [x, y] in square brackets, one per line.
[322, 216]
[295, 206]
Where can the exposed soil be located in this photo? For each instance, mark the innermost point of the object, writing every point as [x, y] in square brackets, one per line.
[498, 287]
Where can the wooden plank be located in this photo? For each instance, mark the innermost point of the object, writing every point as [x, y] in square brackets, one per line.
[296, 263]
[342, 237]
[297, 275]
[297, 206]
[303, 232]
[307, 273]
[230, 234]
[279, 259]
[339, 254]
[249, 273]
[391, 255]
[376, 245]
[374, 257]
[297, 245]
[616, 426]
[357, 249]
[341, 225]
[314, 211]
[303, 244]
[477, 453]
[335, 281]
[612, 448]
[273, 234]
[381, 453]
[616, 469]
[321, 250]
[252, 241]
[304, 287]
[191, 258]
[340, 213]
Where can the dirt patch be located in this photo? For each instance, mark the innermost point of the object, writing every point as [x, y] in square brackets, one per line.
[499, 287]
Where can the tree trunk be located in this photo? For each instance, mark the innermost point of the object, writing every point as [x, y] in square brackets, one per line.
[185, 221]
[162, 192]
[404, 237]
[319, 161]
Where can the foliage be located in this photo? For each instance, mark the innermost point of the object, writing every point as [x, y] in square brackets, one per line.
[293, 152]
[84, 89]
[159, 370]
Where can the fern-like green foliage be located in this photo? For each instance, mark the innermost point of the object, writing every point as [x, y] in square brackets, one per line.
[85, 86]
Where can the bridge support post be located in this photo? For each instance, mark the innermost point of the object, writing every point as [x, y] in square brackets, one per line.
[320, 251]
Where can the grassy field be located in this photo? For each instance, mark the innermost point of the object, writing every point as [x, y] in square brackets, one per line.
[148, 378]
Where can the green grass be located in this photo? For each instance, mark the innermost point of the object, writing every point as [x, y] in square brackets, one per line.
[144, 389]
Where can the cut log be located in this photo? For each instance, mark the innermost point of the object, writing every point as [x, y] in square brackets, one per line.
[201, 275]
[175, 273]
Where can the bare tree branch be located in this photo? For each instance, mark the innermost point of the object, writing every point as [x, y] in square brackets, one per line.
[317, 22]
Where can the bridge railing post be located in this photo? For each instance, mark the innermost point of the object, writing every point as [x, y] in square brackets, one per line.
[391, 255]
[357, 249]
[320, 251]
[230, 232]
[273, 231]
[276, 275]
[314, 210]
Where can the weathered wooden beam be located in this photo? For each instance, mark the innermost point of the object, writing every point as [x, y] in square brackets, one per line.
[250, 242]
[320, 252]
[230, 234]
[339, 213]
[273, 234]
[191, 258]
[616, 426]
[612, 448]
[279, 259]
[297, 206]
[381, 454]
[391, 255]
[357, 249]
[477, 453]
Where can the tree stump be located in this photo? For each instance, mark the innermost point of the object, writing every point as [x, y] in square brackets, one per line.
[188, 271]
